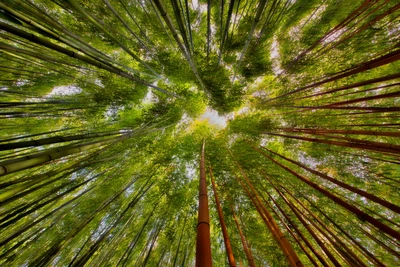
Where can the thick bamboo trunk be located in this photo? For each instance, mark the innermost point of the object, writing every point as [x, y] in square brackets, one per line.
[228, 247]
[203, 244]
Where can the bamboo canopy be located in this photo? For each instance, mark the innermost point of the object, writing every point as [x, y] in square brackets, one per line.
[199, 133]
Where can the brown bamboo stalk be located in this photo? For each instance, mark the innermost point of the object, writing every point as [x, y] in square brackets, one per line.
[370, 109]
[350, 254]
[363, 142]
[228, 247]
[290, 231]
[355, 132]
[376, 240]
[371, 64]
[360, 247]
[368, 24]
[358, 84]
[338, 143]
[356, 211]
[267, 222]
[287, 249]
[363, 193]
[246, 248]
[367, 98]
[355, 92]
[203, 243]
[307, 226]
[316, 253]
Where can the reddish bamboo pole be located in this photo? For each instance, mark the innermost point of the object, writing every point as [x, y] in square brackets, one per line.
[289, 230]
[338, 143]
[267, 223]
[203, 242]
[286, 247]
[367, 98]
[362, 215]
[349, 254]
[229, 252]
[363, 193]
[361, 248]
[316, 253]
[337, 131]
[307, 226]
[246, 247]
[358, 84]
[371, 64]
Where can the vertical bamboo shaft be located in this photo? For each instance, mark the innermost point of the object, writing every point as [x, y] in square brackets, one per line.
[286, 247]
[203, 242]
[246, 248]
[229, 252]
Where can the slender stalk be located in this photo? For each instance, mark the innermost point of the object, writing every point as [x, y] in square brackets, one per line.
[228, 247]
[203, 244]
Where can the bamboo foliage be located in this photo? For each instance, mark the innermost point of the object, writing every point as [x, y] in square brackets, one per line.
[106, 107]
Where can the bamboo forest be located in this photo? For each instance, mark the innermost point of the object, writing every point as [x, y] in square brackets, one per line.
[200, 133]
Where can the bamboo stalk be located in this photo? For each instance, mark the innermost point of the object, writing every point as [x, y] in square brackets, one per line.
[356, 211]
[203, 243]
[228, 247]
